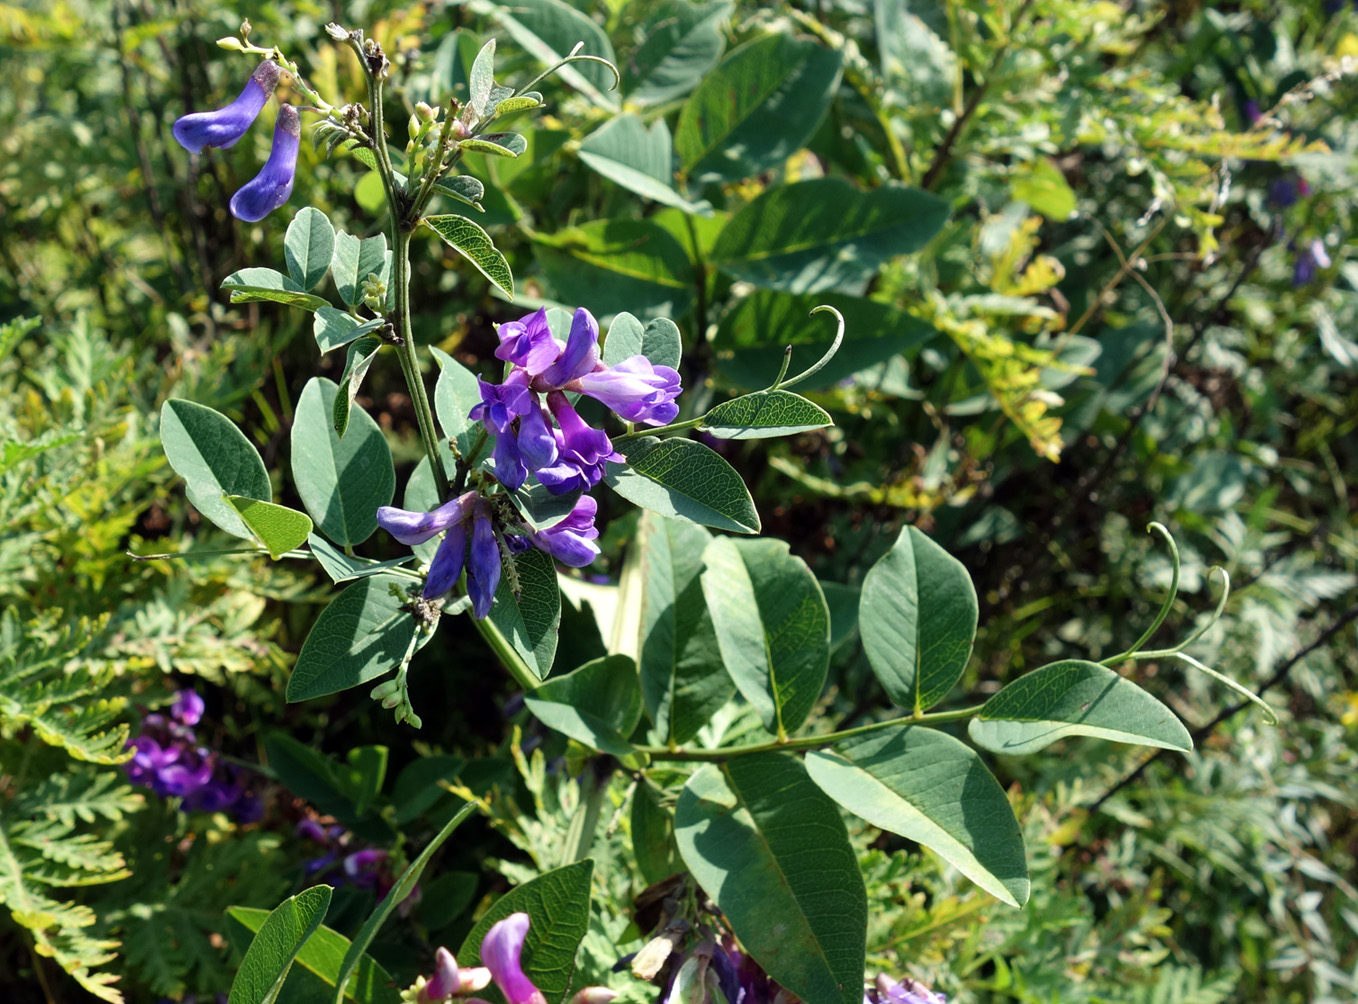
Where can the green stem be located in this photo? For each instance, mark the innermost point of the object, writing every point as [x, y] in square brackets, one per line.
[1164, 607]
[509, 658]
[674, 427]
[806, 742]
[410, 362]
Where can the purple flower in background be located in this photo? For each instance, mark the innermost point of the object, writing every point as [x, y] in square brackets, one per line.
[500, 951]
[636, 389]
[187, 708]
[571, 541]
[363, 867]
[1312, 259]
[272, 186]
[225, 126]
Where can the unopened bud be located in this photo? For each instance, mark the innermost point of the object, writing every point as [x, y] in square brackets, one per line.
[245, 28]
[338, 33]
[594, 995]
[469, 981]
[413, 127]
[385, 689]
[425, 112]
[230, 44]
[649, 961]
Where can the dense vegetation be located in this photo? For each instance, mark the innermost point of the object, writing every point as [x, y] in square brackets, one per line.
[1091, 261]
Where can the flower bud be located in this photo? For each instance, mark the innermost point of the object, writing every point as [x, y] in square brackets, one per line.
[594, 995]
[469, 981]
[425, 112]
[384, 689]
[231, 44]
[245, 28]
[413, 127]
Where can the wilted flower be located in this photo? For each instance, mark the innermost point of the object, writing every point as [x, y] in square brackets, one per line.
[500, 951]
[272, 186]
[225, 126]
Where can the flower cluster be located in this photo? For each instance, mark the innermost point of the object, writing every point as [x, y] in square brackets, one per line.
[904, 991]
[569, 455]
[501, 952]
[167, 759]
[537, 430]
[272, 187]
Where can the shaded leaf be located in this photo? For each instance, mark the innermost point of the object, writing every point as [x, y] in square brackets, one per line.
[684, 479]
[765, 414]
[215, 460]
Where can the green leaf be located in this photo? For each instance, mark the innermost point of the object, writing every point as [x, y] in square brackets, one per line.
[521, 103]
[683, 479]
[418, 789]
[278, 528]
[659, 341]
[653, 845]
[598, 704]
[341, 481]
[469, 240]
[280, 938]
[917, 618]
[530, 620]
[825, 234]
[758, 108]
[15, 331]
[929, 787]
[482, 145]
[353, 261]
[1074, 698]
[319, 779]
[639, 159]
[308, 247]
[322, 955]
[457, 392]
[14, 454]
[558, 904]
[749, 340]
[357, 360]
[404, 886]
[343, 567]
[482, 80]
[361, 635]
[548, 29]
[683, 680]
[765, 414]
[606, 263]
[215, 460]
[264, 284]
[540, 509]
[463, 188]
[1044, 187]
[771, 849]
[772, 624]
[334, 328]
[683, 44]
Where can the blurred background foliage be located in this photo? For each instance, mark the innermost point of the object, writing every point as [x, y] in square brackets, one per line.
[1142, 307]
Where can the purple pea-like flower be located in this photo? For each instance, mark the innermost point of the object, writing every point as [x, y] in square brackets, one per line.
[483, 566]
[187, 708]
[416, 527]
[362, 867]
[447, 564]
[502, 403]
[571, 541]
[528, 343]
[1312, 259]
[225, 126]
[272, 186]
[636, 389]
[580, 356]
[906, 991]
[501, 950]
[582, 450]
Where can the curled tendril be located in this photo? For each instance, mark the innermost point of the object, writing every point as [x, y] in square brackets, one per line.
[815, 367]
[574, 56]
[1164, 607]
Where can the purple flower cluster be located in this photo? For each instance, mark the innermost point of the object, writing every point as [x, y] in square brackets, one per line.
[537, 430]
[904, 991]
[272, 187]
[501, 955]
[569, 455]
[167, 759]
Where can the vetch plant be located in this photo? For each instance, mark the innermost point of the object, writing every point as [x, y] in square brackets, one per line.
[725, 625]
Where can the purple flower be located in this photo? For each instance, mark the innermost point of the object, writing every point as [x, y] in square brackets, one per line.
[416, 527]
[446, 567]
[516, 450]
[1312, 259]
[582, 451]
[636, 389]
[571, 541]
[225, 126]
[907, 991]
[188, 706]
[500, 951]
[579, 357]
[363, 867]
[483, 568]
[444, 982]
[191, 770]
[502, 403]
[272, 186]
[528, 343]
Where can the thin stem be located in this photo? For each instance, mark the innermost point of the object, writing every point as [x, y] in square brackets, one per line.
[819, 364]
[806, 742]
[673, 427]
[410, 362]
[509, 658]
